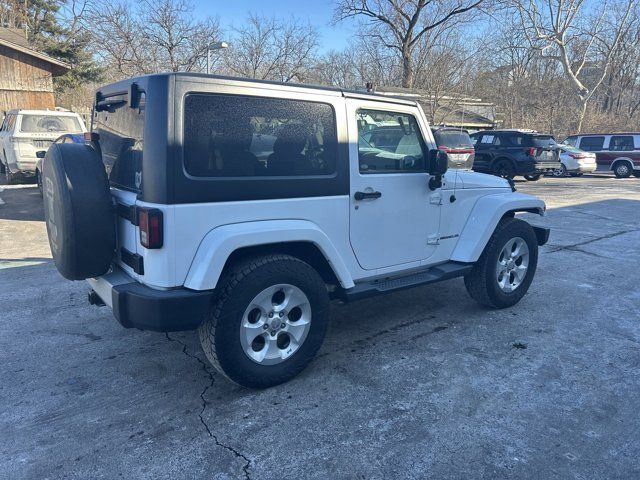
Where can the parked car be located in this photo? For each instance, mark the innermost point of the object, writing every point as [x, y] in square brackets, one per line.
[457, 144]
[24, 132]
[40, 154]
[507, 153]
[616, 152]
[575, 162]
[206, 236]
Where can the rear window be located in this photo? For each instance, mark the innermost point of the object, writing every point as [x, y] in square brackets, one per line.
[452, 139]
[592, 144]
[121, 131]
[543, 141]
[49, 123]
[241, 136]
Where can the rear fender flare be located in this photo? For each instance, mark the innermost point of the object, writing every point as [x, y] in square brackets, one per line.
[484, 218]
[221, 242]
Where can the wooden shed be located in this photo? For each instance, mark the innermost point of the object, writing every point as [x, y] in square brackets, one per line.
[26, 76]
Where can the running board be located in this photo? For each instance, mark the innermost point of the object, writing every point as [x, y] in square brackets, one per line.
[435, 274]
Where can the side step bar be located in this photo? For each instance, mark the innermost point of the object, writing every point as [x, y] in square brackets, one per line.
[438, 273]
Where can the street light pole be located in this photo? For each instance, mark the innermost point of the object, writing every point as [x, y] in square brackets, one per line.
[214, 46]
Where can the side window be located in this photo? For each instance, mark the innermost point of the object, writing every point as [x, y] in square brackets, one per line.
[487, 139]
[241, 136]
[516, 140]
[389, 142]
[621, 143]
[592, 144]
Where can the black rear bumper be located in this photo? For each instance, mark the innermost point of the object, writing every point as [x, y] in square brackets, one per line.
[138, 306]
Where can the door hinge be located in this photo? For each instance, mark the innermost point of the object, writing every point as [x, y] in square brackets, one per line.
[435, 198]
[433, 240]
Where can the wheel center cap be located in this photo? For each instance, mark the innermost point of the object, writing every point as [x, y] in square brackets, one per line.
[275, 323]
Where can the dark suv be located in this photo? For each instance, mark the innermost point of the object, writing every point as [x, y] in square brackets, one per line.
[507, 153]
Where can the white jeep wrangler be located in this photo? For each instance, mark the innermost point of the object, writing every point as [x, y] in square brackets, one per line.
[240, 208]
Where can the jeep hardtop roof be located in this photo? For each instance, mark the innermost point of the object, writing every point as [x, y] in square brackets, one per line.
[122, 86]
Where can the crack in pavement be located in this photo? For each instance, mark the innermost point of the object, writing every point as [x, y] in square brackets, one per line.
[210, 374]
[586, 242]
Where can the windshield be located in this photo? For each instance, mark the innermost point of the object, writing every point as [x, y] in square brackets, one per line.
[49, 123]
[543, 141]
[452, 138]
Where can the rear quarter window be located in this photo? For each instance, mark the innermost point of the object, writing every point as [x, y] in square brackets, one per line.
[543, 141]
[621, 143]
[243, 136]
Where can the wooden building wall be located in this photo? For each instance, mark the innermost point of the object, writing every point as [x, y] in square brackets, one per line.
[25, 81]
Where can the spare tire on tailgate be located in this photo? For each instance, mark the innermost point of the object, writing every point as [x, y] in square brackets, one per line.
[78, 210]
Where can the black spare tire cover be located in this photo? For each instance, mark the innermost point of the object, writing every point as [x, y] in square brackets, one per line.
[78, 210]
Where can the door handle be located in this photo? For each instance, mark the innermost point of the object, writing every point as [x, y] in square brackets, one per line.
[363, 195]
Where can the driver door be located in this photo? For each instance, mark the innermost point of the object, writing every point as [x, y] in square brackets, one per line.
[394, 216]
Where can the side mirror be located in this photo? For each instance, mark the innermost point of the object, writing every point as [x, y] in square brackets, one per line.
[438, 164]
[41, 153]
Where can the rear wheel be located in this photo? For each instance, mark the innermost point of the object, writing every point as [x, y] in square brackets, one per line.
[268, 321]
[504, 168]
[532, 178]
[2, 167]
[560, 172]
[39, 181]
[503, 273]
[10, 178]
[622, 170]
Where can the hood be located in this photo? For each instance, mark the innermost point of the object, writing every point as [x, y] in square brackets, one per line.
[471, 179]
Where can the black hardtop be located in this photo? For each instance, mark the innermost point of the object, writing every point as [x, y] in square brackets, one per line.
[122, 87]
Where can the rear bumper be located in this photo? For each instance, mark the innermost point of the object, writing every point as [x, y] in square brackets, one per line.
[137, 306]
[542, 167]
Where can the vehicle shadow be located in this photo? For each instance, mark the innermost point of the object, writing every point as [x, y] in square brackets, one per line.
[21, 202]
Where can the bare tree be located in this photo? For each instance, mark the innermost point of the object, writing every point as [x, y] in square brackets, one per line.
[581, 37]
[162, 35]
[274, 49]
[400, 24]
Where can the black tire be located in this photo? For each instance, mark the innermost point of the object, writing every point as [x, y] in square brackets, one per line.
[2, 167]
[10, 178]
[39, 181]
[560, 172]
[622, 170]
[220, 333]
[482, 282]
[78, 211]
[503, 168]
[533, 178]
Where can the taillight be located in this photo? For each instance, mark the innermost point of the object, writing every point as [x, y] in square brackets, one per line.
[532, 151]
[150, 225]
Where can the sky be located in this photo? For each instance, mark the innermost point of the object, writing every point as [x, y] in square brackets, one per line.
[318, 12]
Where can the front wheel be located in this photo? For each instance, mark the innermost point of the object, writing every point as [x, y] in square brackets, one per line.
[504, 271]
[268, 321]
[10, 178]
[532, 178]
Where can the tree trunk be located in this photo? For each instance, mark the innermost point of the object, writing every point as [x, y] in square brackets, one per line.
[407, 68]
[581, 115]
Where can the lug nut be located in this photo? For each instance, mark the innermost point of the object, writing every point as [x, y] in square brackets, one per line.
[273, 333]
[282, 325]
[281, 314]
[270, 314]
[265, 326]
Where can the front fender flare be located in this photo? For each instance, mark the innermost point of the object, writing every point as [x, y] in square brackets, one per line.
[221, 242]
[484, 218]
